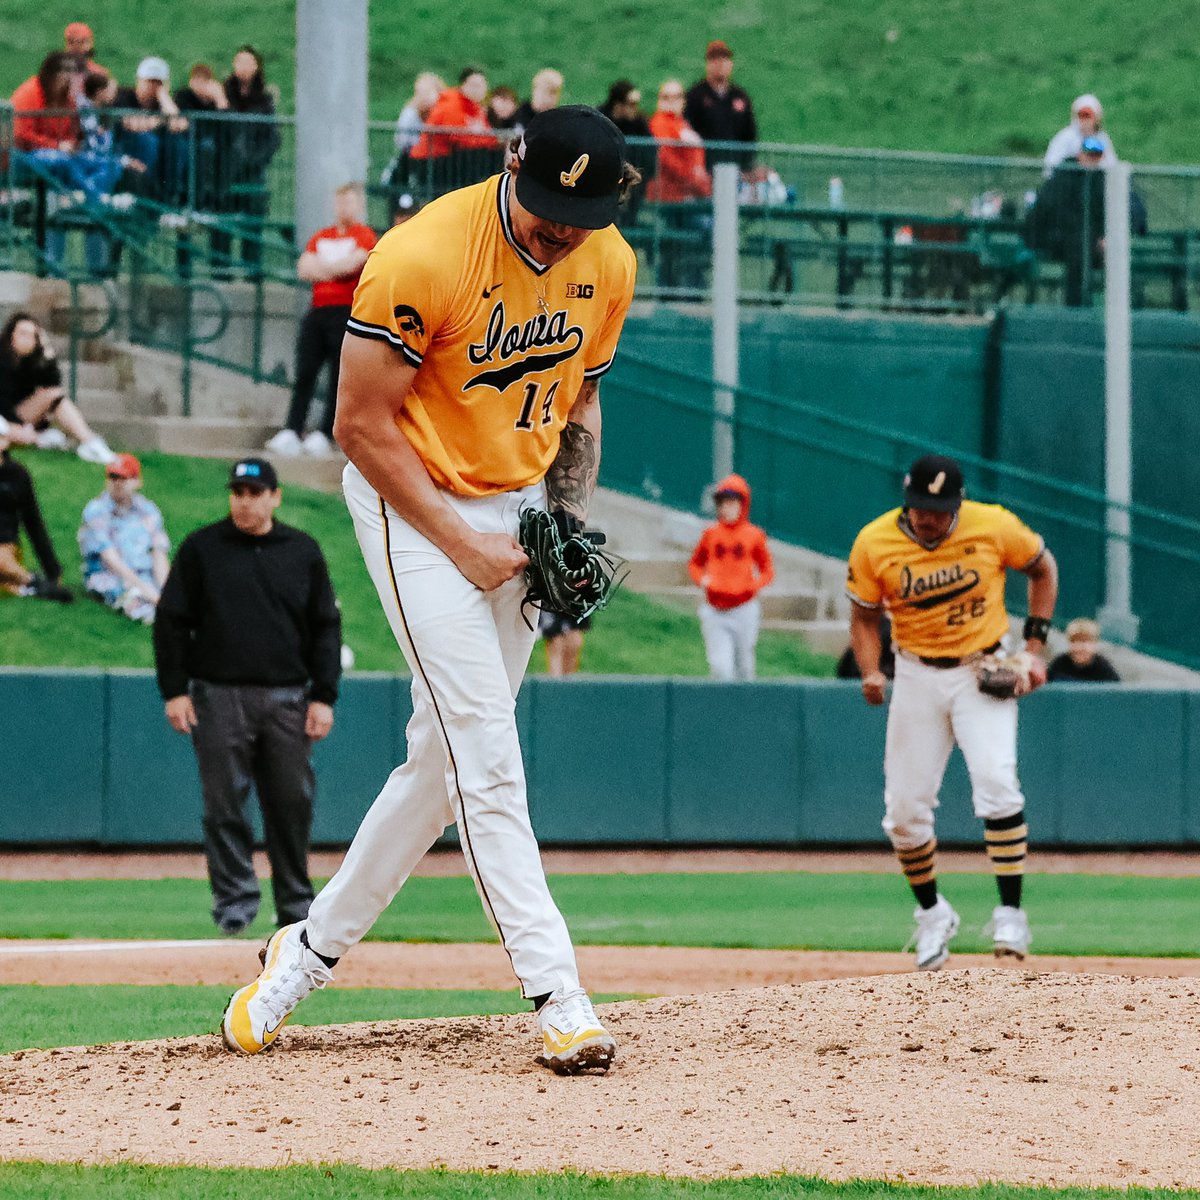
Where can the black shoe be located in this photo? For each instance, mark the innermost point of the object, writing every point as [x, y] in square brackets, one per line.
[41, 588]
[232, 929]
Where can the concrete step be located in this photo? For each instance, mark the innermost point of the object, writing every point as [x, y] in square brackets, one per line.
[113, 404]
[776, 606]
[321, 472]
[210, 437]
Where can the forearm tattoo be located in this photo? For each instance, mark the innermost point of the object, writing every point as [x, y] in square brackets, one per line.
[571, 479]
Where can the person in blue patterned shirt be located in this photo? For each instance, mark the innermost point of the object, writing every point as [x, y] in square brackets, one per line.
[124, 544]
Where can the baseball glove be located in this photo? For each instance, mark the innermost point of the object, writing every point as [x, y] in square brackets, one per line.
[1006, 677]
[568, 573]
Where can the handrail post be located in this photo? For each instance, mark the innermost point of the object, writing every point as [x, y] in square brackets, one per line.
[1116, 615]
[185, 377]
[724, 314]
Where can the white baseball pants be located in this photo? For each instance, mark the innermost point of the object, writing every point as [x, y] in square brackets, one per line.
[468, 651]
[730, 635]
[930, 710]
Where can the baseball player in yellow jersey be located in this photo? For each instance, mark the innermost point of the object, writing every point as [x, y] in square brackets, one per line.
[937, 565]
[469, 390]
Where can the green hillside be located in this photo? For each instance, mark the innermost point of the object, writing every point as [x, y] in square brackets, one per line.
[970, 76]
[634, 636]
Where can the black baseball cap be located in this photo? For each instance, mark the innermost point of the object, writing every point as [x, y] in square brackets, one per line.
[572, 159]
[253, 472]
[934, 482]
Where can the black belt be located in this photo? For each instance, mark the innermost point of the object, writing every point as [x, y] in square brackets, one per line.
[945, 664]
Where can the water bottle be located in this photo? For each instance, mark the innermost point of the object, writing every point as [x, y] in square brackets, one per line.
[837, 193]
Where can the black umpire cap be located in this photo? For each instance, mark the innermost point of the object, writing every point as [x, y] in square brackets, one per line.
[572, 160]
[255, 473]
[934, 482]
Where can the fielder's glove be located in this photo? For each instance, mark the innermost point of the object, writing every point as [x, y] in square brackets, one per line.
[1004, 677]
[567, 572]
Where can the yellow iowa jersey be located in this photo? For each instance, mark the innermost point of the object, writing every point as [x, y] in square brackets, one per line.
[502, 343]
[948, 601]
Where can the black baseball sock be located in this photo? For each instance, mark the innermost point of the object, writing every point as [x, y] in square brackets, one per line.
[538, 1001]
[329, 962]
[918, 865]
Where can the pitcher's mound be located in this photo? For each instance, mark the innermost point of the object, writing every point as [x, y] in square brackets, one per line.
[952, 1078]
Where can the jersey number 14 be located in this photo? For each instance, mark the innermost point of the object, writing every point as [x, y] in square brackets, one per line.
[529, 401]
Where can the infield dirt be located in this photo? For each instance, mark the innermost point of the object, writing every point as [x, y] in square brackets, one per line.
[960, 1077]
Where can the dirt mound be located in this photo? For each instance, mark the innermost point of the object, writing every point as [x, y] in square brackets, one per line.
[952, 1078]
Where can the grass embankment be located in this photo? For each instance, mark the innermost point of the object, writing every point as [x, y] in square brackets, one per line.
[1070, 914]
[633, 636]
[925, 75]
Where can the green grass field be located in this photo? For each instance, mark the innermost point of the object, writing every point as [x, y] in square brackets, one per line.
[21, 1181]
[966, 76]
[1070, 914]
[634, 636]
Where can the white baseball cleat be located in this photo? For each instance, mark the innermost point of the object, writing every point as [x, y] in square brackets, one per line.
[573, 1038]
[1009, 928]
[935, 927]
[257, 1012]
[317, 443]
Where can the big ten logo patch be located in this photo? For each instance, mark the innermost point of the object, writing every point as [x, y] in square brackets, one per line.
[580, 291]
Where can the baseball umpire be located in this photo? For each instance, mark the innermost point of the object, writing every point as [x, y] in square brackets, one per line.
[469, 393]
[937, 565]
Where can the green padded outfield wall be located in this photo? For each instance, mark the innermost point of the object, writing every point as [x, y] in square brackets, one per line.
[1025, 389]
[658, 762]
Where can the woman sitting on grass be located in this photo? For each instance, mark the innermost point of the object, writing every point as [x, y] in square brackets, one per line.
[31, 395]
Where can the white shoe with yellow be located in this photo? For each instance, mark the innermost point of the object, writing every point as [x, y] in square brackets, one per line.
[257, 1012]
[572, 1035]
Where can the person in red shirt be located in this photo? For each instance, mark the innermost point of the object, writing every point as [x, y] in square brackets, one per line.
[459, 107]
[51, 88]
[332, 262]
[681, 173]
[732, 563]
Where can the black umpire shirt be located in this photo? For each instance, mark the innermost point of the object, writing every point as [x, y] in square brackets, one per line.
[242, 609]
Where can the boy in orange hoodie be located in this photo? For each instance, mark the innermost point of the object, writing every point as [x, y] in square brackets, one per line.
[732, 564]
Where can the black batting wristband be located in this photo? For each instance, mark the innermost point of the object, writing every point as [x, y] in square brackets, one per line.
[1037, 628]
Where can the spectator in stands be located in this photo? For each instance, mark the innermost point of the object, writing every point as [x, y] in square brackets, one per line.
[19, 508]
[623, 108]
[247, 643]
[202, 95]
[681, 173]
[545, 94]
[332, 262]
[502, 106]
[847, 665]
[732, 563]
[153, 135]
[1066, 223]
[32, 394]
[680, 180]
[563, 636]
[720, 111]
[50, 89]
[124, 544]
[458, 108]
[427, 88]
[1087, 121]
[96, 167]
[245, 155]
[80, 43]
[1083, 662]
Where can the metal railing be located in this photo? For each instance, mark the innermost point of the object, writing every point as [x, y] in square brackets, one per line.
[818, 226]
[819, 475]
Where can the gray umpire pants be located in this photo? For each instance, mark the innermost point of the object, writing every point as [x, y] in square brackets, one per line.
[254, 736]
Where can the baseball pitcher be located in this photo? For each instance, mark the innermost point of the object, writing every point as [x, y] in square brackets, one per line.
[937, 565]
[470, 394]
